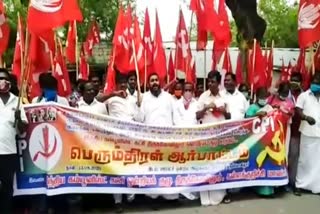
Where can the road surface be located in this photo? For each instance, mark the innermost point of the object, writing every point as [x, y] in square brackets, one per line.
[242, 204]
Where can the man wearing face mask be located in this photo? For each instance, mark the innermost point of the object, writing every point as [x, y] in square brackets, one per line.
[8, 150]
[177, 93]
[295, 91]
[49, 88]
[186, 108]
[308, 107]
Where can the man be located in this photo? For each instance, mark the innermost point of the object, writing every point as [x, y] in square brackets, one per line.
[157, 105]
[212, 107]
[132, 84]
[10, 115]
[156, 109]
[121, 107]
[295, 91]
[96, 81]
[49, 89]
[186, 108]
[308, 107]
[177, 91]
[199, 89]
[237, 102]
[88, 102]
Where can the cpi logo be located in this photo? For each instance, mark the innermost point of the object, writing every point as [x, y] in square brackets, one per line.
[45, 146]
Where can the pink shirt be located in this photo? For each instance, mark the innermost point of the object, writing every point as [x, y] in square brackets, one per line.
[286, 106]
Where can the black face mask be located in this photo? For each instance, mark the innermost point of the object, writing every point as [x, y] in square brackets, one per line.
[131, 90]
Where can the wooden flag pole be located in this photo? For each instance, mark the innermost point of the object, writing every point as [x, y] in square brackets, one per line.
[77, 50]
[145, 70]
[253, 66]
[137, 71]
[205, 69]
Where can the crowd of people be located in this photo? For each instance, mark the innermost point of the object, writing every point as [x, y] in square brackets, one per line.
[177, 104]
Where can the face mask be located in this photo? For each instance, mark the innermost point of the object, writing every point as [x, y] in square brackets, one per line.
[188, 95]
[315, 88]
[5, 86]
[282, 97]
[50, 95]
[178, 93]
[246, 94]
[262, 102]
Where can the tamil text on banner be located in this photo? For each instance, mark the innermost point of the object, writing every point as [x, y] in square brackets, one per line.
[69, 151]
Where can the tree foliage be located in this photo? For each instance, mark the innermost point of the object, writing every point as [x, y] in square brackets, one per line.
[282, 24]
[105, 13]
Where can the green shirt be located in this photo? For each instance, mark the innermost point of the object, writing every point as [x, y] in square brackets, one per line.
[253, 110]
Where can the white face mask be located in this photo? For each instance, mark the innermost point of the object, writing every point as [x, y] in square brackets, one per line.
[188, 95]
[262, 102]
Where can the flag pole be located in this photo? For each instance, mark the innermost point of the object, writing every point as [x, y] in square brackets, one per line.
[137, 70]
[253, 66]
[77, 50]
[205, 69]
[145, 70]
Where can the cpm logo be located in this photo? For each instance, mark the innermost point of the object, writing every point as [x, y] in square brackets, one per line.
[45, 146]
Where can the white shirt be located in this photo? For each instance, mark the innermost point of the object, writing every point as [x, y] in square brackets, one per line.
[183, 116]
[94, 107]
[60, 100]
[237, 103]
[121, 108]
[157, 111]
[7, 131]
[207, 98]
[311, 107]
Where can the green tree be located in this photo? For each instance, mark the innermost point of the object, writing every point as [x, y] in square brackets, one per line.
[282, 24]
[105, 13]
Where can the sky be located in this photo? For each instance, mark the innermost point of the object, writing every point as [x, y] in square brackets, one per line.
[168, 12]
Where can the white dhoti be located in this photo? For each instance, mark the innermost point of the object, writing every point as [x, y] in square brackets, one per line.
[288, 136]
[213, 197]
[167, 197]
[308, 173]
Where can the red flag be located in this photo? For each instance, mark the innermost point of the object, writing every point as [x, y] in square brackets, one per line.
[227, 62]
[257, 68]
[239, 70]
[159, 57]
[147, 43]
[171, 69]
[93, 37]
[18, 51]
[308, 22]
[83, 67]
[183, 52]
[305, 73]
[317, 59]
[270, 68]
[71, 42]
[4, 30]
[50, 14]
[191, 72]
[60, 72]
[301, 59]
[219, 25]
[201, 9]
[139, 50]
[122, 41]
[110, 84]
[39, 60]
